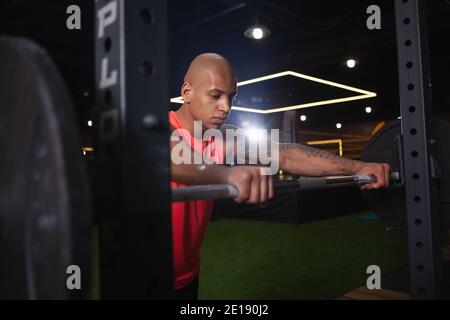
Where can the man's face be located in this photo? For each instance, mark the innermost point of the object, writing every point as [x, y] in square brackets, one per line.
[212, 97]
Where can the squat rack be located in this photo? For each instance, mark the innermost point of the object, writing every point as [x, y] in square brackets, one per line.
[421, 171]
[132, 70]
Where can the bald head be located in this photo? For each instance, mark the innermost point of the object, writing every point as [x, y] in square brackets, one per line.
[206, 65]
[208, 90]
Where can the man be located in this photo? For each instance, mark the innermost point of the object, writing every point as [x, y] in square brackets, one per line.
[208, 90]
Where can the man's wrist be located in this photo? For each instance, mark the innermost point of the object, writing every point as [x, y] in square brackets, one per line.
[217, 174]
[357, 166]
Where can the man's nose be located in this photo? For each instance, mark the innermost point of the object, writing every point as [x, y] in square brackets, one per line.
[225, 106]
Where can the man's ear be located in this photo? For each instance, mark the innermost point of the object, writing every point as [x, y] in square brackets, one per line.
[186, 91]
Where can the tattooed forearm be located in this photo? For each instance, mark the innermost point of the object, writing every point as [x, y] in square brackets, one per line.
[310, 152]
[304, 159]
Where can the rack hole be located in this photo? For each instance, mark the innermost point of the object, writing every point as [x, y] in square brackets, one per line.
[147, 16]
[107, 44]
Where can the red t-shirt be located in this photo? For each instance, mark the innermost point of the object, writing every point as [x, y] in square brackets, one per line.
[190, 219]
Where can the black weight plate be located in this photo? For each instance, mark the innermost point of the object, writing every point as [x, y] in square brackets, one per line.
[388, 204]
[45, 221]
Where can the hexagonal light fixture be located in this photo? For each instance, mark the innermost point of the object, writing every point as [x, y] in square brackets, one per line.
[362, 94]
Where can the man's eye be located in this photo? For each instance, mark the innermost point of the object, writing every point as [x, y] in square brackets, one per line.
[216, 97]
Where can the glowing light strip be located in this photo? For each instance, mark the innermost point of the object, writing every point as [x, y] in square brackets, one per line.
[177, 100]
[264, 78]
[338, 141]
[364, 93]
[330, 83]
[345, 135]
[305, 105]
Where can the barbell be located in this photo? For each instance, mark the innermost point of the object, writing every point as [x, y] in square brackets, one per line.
[45, 212]
[224, 191]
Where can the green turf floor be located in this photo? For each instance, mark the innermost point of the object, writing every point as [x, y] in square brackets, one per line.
[247, 259]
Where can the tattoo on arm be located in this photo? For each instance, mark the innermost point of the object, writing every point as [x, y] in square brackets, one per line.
[337, 163]
[309, 151]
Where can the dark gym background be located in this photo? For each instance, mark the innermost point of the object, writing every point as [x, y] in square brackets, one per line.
[307, 37]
